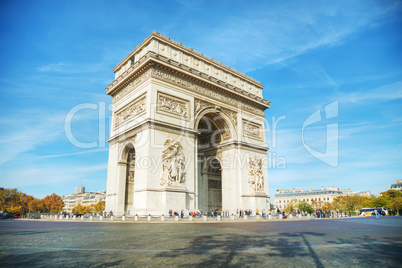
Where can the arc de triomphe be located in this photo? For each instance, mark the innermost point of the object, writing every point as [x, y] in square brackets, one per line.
[187, 133]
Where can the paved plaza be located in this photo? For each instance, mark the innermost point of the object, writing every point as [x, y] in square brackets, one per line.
[347, 242]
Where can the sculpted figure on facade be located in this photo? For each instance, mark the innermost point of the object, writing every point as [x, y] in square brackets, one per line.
[255, 175]
[173, 163]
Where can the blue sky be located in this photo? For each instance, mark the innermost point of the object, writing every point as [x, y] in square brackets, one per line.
[308, 54]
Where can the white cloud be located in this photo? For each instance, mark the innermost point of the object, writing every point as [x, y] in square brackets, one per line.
[383, 93]
[270, 35]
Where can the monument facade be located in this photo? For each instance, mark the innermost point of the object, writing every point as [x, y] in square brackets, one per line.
[187, 133]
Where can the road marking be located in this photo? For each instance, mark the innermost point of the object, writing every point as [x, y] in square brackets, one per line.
[200, 250]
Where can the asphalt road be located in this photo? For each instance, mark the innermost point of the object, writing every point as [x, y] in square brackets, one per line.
[352, 242]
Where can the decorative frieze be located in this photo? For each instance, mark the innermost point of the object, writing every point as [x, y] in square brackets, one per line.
[183, 82]
[255, 175]
[252, 130]
[173, 105]
[132, 85]
[173, 163]
[131, 111]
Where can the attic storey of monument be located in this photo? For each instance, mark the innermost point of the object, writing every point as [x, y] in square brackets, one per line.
[187, 133]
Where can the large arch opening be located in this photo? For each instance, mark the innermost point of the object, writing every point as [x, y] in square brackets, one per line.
[212, 131]
[129, 179]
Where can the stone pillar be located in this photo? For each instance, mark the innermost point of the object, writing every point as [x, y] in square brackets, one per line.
[204, 218]
[74, 217]
[290, 216]
[91, 218]
[258, 217]
[149, 218]
[123, 218]
[162, 218]
[245, 217]
[82, 217]
[232, 217]
[101, 218]
[136, 218]
[190, 218]
[219, 217]
[112, 218]
[121, 187]
[269, 217]
[280, 216]
[176, 218]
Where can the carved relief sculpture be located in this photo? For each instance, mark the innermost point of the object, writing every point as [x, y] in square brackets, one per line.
[255, 176]
[130, 112]
[252, 130]
[173, 163]
[171, 105]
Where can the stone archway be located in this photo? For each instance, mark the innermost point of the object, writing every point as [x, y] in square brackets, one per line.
[183, 108]
[127, 163]
[212, 132]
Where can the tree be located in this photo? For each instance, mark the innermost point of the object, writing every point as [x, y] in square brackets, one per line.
[53, 203]
[25, 199]
[290, 207]
[80, 209]
[305, 207]
[99, 207]
[10, 200]
[37, 205]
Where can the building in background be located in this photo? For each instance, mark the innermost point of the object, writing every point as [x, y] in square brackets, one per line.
[81, 197]
[283, 197]
[397, 186]
[79, 190]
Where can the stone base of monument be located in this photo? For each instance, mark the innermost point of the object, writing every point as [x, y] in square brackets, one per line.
[256, 200]
[173, 197]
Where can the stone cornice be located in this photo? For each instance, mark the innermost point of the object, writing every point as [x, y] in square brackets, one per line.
[151, 58]
[151, 124]
[241, 144]
[188, 50]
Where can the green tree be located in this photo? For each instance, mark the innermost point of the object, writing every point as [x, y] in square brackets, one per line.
[305, 207]
[290, 207]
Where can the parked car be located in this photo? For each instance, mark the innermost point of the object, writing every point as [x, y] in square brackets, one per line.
[34, 216]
